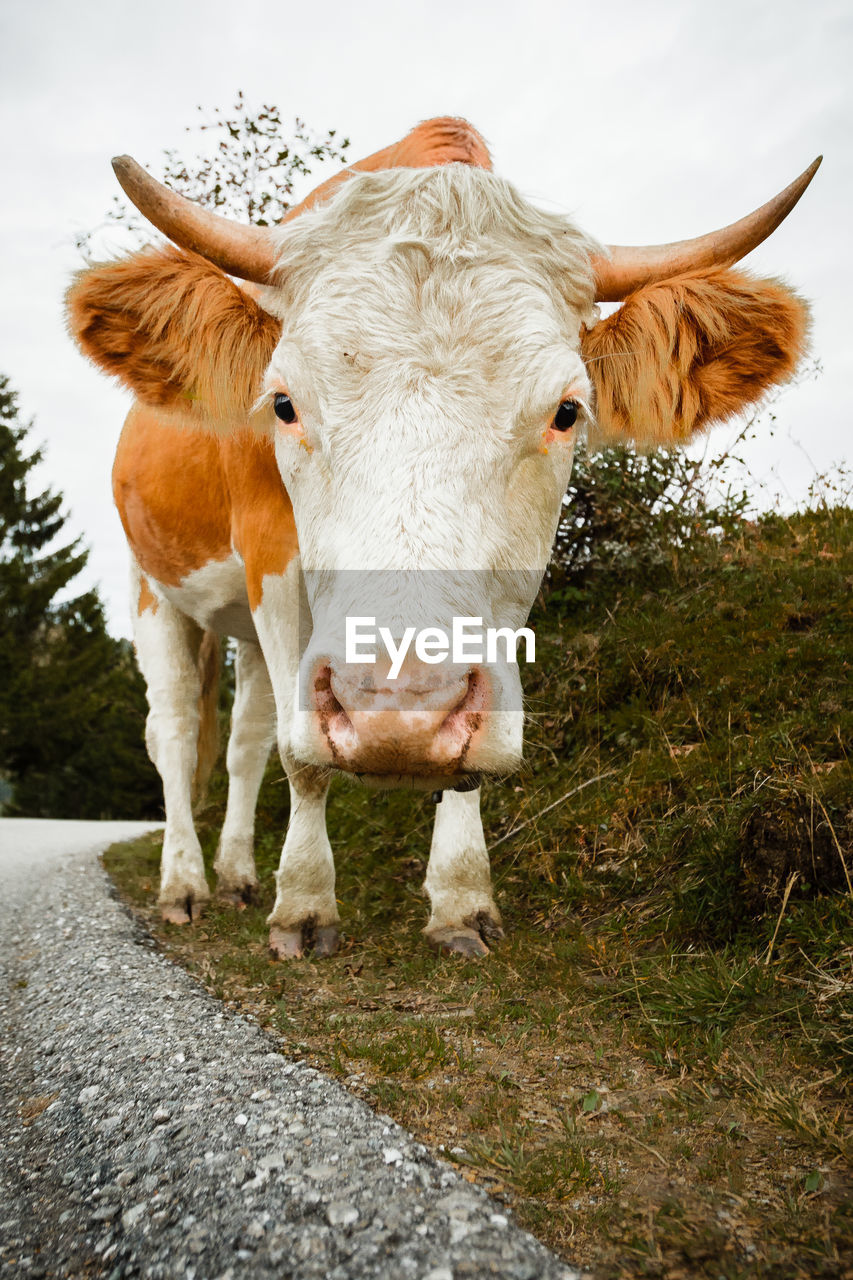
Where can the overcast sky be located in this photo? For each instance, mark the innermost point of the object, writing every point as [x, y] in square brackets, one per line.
[647, 122]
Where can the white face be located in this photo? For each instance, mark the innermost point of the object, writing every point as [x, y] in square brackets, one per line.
[426, 474]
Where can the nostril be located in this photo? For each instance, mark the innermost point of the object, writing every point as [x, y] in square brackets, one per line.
[467, 715]
[324, 695]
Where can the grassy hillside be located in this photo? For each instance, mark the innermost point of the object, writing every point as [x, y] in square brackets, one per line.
[652, 1069]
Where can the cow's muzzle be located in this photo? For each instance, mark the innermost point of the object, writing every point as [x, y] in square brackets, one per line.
[425, 722]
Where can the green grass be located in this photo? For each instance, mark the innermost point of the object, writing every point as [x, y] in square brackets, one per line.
[654, 1068]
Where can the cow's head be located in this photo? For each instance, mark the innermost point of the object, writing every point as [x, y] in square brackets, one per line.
[424, 351]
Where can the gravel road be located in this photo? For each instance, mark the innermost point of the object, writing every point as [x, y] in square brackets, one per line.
[150, 1132]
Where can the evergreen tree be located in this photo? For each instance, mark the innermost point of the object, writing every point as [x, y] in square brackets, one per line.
[72, 704]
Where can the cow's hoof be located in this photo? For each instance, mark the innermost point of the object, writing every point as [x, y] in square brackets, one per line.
[239, 896]
[468, 939]
[326, 940]
[291, 944]
[185, 912]
[458, 939]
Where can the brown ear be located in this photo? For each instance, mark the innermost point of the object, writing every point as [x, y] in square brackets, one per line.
[176, 330]
[680, 355]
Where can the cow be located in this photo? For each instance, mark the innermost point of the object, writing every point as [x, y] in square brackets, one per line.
[387, 386]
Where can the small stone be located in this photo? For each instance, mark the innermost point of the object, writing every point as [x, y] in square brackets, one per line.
[275, 1160]
[341, 1214]
[105, 1214]
[125, 1177]
[439, 1273]
[242, 1120]
[498, 1220]
[196, 1242]
[460, 1230]
[392, 1156]
[131, 1216]
[87, 1094]
[459, 1204]
[259, 1179]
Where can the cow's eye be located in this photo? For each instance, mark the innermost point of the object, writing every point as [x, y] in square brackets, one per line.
[566, 416]
[283, 407]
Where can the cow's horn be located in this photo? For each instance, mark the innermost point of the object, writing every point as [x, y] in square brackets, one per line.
[244, 251]
[630, 267]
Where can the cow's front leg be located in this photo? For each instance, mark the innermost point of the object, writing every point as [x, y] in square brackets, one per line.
[167, 645]
[305, 914]
[253, 723]
[458, 880]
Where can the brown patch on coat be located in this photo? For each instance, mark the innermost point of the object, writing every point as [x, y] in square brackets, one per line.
[263, 529]
[444, 140]
[171, 496]
[177, 331]
[683, 354]
[187, 498]
[147, 598]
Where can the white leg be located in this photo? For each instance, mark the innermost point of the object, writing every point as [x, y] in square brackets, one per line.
[253, 725]
[458, 879]
[305, 913]
[167, 645]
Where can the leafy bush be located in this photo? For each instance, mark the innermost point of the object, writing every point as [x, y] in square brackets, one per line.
[628, 511]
